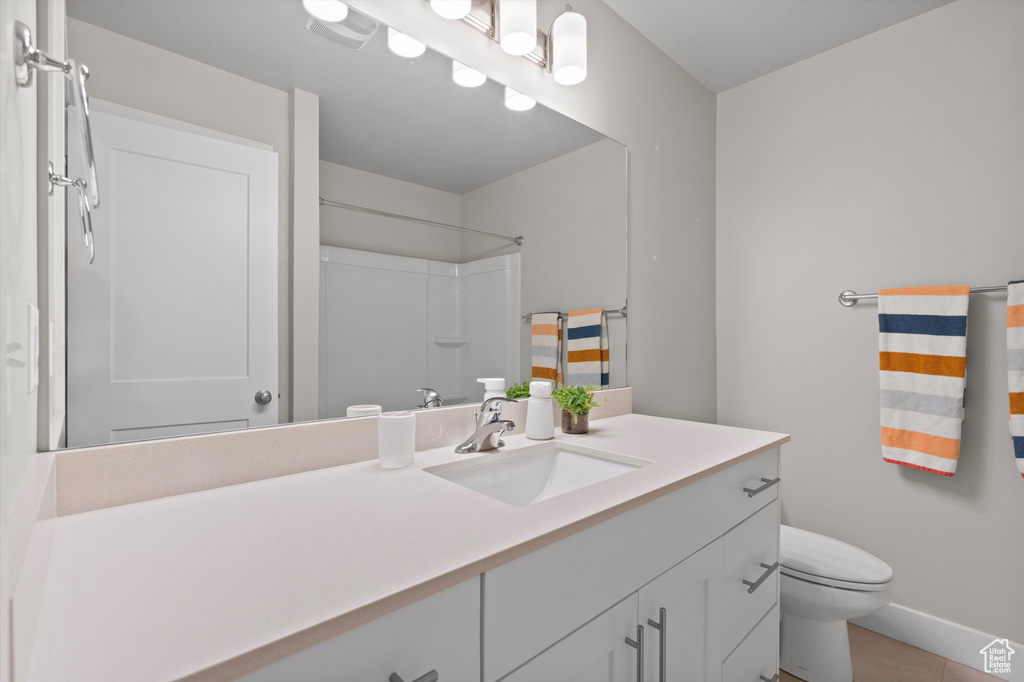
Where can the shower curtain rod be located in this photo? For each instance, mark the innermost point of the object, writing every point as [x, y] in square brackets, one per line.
[849, 298]
[372, 211]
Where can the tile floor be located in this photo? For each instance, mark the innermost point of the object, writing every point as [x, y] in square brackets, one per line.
[877, 658]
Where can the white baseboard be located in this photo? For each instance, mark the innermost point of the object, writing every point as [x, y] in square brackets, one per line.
[941, 637]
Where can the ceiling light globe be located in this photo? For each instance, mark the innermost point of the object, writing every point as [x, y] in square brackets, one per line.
[517, 101]
[403, 45]
[451, 9]
[517, 26]
[331, 11]
[467, 77]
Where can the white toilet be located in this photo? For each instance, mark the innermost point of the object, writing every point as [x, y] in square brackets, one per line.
[824, 583]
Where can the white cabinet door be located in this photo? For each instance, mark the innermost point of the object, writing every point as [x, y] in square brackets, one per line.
[597, 652]
[751, 555]
[757, 656]
[690, 594]
[441, 632]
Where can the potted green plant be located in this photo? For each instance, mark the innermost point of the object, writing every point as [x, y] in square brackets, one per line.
[576, 403]
[517, 391]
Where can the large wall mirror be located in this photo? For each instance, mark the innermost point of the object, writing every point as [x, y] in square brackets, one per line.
[183, 324]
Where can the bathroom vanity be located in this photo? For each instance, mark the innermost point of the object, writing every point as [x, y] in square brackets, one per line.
[356, 573]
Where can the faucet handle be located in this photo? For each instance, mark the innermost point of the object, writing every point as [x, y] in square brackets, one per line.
[494, 404]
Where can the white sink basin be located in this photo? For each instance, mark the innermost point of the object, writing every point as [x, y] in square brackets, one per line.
[539, 473]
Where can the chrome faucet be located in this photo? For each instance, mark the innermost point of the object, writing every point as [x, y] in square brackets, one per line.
[489, 427]
[431, 398]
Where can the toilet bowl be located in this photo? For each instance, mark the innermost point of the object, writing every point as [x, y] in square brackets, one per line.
[824, 583]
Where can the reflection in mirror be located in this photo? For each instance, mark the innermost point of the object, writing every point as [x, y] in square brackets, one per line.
[185, 321]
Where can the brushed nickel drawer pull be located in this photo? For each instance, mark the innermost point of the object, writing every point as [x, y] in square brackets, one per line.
[429, 677]
[639, 646]
[662, 628]
[751, 586]
[768, 483]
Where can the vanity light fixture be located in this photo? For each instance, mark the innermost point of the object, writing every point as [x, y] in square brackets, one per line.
[517, 25]
[451, 9]
[331, 11]
[517, 101]
[568, 47]
[403, 45]
[467, 77]
[513, 25]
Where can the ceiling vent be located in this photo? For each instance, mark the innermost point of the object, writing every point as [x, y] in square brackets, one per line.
[352, 32]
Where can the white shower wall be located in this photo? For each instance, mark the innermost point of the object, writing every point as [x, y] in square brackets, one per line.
[392, 324]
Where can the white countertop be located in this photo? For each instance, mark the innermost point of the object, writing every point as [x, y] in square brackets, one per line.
[210, 585]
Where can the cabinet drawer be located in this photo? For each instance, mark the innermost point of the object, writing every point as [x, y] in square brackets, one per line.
[749, 548]
[750, 474]
[757, 657]
[441, 632]
[543, 596]
[597, 651]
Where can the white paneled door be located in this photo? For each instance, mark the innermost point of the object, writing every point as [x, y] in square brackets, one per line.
[173, 329]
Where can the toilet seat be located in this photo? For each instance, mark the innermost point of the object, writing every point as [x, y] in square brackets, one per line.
[826, 561]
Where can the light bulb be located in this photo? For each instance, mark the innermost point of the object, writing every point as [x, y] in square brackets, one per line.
[331, 11]
[517, 101]
[467, 77]
[517, 26]
[403, 45]
[569, 48]
[451, 9]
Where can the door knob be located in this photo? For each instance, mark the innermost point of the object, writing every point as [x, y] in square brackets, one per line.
[263, 397]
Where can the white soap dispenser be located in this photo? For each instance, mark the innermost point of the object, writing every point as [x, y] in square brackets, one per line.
[494, 387]
[540, 418]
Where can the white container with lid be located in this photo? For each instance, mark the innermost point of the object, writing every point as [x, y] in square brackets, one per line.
[540, 417]
[396, 439]
[362, 410]
[494, 387]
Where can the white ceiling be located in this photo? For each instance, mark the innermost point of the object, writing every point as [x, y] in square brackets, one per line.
[402, 118]
[724, 43]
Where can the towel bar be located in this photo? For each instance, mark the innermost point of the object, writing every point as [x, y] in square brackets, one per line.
[849, 298]
[528, 317]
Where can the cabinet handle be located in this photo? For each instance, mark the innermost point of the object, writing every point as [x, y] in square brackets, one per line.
[774, 678]
[429, 677]
[639, 646]
[751, 586]
[768, 483]
[662, 628]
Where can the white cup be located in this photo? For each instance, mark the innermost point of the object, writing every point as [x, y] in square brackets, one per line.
[396, 439]
[362, 410]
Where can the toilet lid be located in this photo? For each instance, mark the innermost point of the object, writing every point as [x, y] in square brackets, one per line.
[822, 559]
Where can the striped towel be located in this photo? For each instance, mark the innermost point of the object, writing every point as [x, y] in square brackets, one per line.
[922, 344]
[1015, 365]
[588, 349]
[547, 346]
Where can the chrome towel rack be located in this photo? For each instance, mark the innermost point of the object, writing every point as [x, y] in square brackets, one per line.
[849, 298]
[528, 317]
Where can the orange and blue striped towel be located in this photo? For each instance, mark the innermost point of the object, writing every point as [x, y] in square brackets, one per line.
[1015, 366]
[546, 331]
[922, 362]
[587, 335]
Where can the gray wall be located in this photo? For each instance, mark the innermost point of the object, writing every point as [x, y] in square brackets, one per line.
[137, 75]
[639, 97]
[895, 160]
[572, 213]
[354, 230]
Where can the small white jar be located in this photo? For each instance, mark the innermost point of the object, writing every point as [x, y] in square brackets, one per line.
[540, 418]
